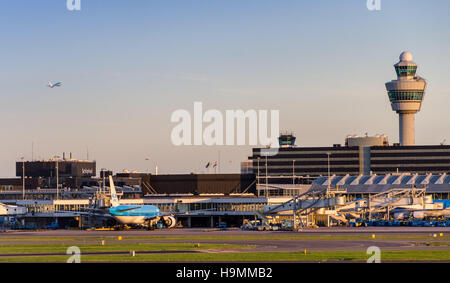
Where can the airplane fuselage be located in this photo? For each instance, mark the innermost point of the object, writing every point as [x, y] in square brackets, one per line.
[54, 85]
[134, 214]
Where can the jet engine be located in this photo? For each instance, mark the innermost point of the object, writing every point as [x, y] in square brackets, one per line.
[170, 221]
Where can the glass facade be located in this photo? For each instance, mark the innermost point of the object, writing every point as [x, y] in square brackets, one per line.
[406, 70]
[210, 207]
[396, 95]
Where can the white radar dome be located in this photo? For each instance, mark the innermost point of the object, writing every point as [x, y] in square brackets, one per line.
[406, 56]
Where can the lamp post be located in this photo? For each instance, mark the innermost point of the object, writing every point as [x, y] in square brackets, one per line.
[103, 170]
[328, 158]
[218, 161]
[148, 168]
[267, 181]
[23, 177]
[57, 176]
[293, 173]
[257, 177]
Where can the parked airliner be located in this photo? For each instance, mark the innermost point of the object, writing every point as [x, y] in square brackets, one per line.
[136, 214]
[140, 215]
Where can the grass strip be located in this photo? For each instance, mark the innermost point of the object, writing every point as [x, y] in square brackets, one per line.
[108, 247]
[335, 256]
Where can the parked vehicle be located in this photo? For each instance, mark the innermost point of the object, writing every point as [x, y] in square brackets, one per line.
[222, 225]
[276, 227]
[53, 225]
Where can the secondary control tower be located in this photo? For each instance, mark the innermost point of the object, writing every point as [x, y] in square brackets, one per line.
[406, 94]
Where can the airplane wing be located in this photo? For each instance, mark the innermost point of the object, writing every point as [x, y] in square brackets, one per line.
[89, 213]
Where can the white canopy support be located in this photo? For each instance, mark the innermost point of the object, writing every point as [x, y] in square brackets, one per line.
[441, 179]
[412, 181]
[426, 181]
[370, 180]
[343, 179]
[356, 181]
[398, 181]
[384, 180]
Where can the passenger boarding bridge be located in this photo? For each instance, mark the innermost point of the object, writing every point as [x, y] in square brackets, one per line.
[342, 198]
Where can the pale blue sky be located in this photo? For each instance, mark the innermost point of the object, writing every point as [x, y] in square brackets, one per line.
[127, 65]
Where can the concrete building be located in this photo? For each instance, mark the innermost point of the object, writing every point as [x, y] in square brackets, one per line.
[359, 155]
[197, 184]
[67, 172]
[406, 94]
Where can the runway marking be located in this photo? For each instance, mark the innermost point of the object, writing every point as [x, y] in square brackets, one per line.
[220, 251]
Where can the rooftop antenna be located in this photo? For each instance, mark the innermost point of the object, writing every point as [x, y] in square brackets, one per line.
[87, 153]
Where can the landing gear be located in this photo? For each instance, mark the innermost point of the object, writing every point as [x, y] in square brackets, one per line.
[150, 226]
[119, 228]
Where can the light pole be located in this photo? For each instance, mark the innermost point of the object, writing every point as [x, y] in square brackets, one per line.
[23, 177]
[57, 180]
[293, 173]
[148, 168]
[328, 183]
[257, 177]
[267, 181]
[218, 161]
[57, 177]
[103, 170]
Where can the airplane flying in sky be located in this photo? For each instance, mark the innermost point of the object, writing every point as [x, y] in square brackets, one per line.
[52, 85]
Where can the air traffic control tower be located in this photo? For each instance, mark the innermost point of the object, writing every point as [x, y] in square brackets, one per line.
[406, 94]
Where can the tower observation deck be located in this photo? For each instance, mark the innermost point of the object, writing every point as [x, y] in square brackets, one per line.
[406, 94]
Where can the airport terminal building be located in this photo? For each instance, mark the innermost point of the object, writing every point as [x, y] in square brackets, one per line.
[363, 165]
[359, 155]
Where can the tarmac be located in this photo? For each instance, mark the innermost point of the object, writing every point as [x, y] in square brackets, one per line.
[264, 244]
[386, 230]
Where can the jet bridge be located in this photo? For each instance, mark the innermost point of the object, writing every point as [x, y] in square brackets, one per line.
[332, 202]
[310, 202]
[299, 203]
[390, 199]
